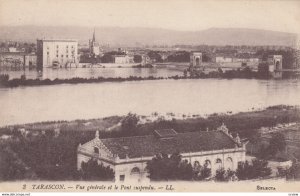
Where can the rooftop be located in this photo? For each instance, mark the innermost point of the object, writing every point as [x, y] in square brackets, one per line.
[58, 40]
[150, 145]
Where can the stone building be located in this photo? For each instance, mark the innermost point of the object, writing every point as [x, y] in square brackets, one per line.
[17, 59]
[196, 59]
[52, 52]
[128, 156]
[123, 59]
[14, 59]
[30, 60]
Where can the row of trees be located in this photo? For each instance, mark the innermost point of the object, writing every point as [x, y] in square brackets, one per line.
[155, 56]
[287, 55]
[268, 151]
[184, 56]
[93, 171]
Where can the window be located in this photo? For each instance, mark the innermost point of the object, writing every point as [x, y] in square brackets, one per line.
[47, 53]
[62, 56]
[218, 161]
[96, 150]
[67, 56]
[122, 178]
[207, 163]
[57, 46]
[135, 170]
[57, 55]
[196, 164]
[229, 163]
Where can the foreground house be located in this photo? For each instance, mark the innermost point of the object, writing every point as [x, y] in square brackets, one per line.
[128, 156]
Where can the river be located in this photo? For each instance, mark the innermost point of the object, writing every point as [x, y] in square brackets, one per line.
[199, 96]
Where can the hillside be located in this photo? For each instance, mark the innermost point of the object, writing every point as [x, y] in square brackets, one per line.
[133, 36]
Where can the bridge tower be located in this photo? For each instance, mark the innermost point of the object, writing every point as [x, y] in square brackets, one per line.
[196, 59]
[275, 65]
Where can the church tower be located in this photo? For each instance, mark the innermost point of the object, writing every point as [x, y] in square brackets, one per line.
[298, 52]
[94, 46]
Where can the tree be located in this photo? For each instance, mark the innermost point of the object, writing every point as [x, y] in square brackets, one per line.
[129, 123]
[4, 78]
[258, 169]
[293, 173]
[224, 175]
[23, 77]
[244, 171]
[91, 170]
[154, 55]
[206, 58]
[163, 167]
[202, 172]
[179, 56]
[263, 70]
[185, 72]
[277, 143]
[220, 174]
[11, 167]
[137, 58]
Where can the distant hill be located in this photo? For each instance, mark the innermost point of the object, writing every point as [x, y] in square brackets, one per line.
[132, 36]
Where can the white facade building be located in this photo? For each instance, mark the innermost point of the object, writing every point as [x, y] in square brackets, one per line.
[223, 59]
[123, 59]
[128, 156]
[53, 51]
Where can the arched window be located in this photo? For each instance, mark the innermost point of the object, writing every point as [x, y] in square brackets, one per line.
[229, 163]
[277, 65]
[196, 164]
[197, 61]
[96, 150]
[218, 163]
[135, 170]
[207, 163]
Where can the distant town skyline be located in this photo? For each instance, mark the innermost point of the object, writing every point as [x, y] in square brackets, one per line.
[179, 15]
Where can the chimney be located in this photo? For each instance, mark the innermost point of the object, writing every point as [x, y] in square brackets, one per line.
[97, 134]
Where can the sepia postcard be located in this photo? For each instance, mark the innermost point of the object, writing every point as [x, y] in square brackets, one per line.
[149, 96]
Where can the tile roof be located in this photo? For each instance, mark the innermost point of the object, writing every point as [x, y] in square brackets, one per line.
[151, 145]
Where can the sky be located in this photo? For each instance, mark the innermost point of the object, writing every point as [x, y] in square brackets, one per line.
[187, 15]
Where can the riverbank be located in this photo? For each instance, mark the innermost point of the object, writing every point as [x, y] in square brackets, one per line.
[243, 123]
[229, 74]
